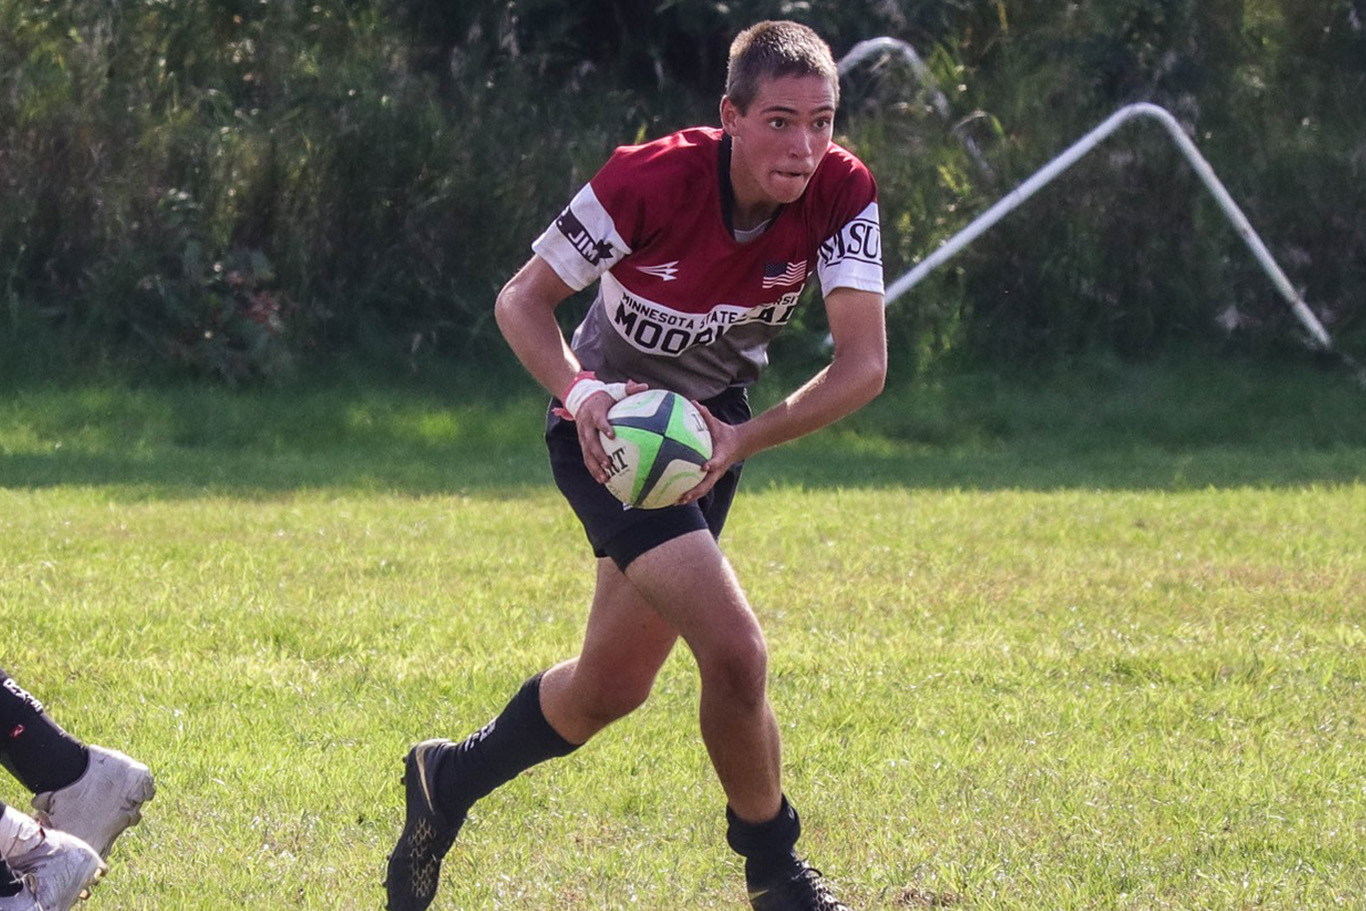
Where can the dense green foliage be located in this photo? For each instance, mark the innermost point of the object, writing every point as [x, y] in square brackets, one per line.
[224, 186]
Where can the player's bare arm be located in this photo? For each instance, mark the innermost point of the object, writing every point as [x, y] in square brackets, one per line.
[525, 312]
[854, 377]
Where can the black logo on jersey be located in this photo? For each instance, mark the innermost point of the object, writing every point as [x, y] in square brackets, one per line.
[591, 249]
[860, 240]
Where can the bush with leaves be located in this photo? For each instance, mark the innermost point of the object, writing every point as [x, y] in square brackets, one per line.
[366, 174]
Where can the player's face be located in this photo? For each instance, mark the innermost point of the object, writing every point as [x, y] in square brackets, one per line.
[778, 142]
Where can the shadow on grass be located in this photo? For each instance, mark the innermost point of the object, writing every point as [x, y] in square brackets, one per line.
[174, 474]
[1183, 426]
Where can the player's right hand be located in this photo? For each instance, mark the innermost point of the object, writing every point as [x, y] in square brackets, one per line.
[591, 421]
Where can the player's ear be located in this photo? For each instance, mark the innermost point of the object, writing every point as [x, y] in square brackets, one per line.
[729, 114]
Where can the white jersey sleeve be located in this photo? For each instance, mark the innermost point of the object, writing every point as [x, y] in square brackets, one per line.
[852, 258]
[583, 242]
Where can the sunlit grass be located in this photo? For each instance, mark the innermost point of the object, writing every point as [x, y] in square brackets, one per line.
[1096, 694]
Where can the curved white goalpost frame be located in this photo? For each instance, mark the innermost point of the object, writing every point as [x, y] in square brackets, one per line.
[1016, 197]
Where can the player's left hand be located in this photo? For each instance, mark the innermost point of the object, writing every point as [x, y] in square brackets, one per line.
[725, 452]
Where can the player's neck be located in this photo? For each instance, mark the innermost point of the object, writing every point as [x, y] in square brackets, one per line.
[745, 211]
[747, 218]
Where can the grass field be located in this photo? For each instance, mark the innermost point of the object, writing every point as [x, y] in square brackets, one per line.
[1089, 643]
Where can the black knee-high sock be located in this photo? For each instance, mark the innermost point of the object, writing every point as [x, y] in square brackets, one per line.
[519, 738]
[767, 847]
[32, 746]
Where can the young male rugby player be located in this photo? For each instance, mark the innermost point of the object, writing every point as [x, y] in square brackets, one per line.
[700, 243]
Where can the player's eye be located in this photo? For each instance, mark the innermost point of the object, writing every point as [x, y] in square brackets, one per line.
[777, 123]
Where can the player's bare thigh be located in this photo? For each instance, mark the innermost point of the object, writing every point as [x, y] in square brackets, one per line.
[689, 581]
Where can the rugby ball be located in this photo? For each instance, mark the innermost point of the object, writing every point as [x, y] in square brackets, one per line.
[660, 445]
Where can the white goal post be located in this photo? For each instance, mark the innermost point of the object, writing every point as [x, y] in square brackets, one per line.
[1016, 197]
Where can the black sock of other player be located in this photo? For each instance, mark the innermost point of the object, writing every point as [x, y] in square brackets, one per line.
[32, 746]
[767, 847]
[10, 884]
[519, 738]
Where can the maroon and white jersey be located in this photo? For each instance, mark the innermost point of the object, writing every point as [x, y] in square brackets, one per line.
[681, 303]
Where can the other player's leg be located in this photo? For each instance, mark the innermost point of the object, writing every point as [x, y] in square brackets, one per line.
[91, 792]
[54, 868]
[16, 892]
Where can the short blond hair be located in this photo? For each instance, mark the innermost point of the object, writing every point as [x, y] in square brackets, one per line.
[776, 48]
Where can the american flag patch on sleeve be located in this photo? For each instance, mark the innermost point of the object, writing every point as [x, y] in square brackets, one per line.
[779, 274]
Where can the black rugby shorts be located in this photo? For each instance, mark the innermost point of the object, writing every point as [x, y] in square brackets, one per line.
[623, 533]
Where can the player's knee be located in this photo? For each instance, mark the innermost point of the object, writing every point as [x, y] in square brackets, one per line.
[620, 701]
[739, 672]
[608, 700]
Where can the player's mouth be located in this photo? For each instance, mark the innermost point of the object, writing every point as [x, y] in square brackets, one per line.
[789, 178]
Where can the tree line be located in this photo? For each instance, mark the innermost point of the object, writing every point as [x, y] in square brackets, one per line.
[230, 188]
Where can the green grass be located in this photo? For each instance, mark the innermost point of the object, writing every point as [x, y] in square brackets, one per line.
[1016, 667]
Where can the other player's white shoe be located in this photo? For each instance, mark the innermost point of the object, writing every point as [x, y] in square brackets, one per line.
[26, 900]
[58, 868]
[100, 804]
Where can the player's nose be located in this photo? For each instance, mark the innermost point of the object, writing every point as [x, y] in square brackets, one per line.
[803, 145]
